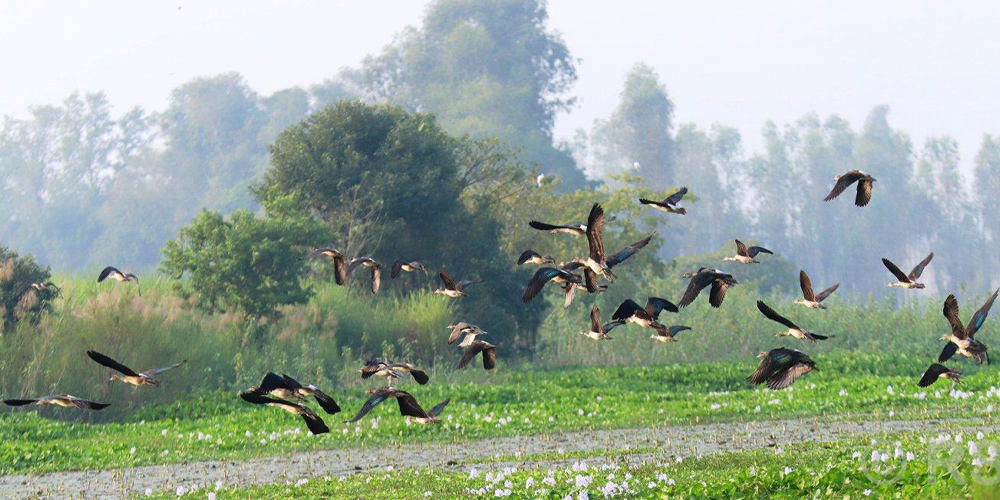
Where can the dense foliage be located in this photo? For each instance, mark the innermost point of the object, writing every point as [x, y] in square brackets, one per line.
[19, 301]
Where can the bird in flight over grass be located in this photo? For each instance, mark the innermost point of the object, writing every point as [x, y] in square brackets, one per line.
[865, 185]
[128, 375]
[408, 266]
[936, 371]
[468, 329]
[452, 289]
[393, 371]
[285, 387]
[408, 405]
[542, 276]
[599, 331]
[793, 329]
[668, 333]
[372, 264]
[701, 279]
[61, 400]
[669, 204]
[573, 229]
[809, 298]
[530, 256]
[314, 423]
[907, 281]
[962, 337]
[113, 273]
[781, 367]
[339, 262]
[475, 347]
[647, 317]
[746, 255]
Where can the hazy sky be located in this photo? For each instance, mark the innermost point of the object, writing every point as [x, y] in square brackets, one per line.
[740, 63]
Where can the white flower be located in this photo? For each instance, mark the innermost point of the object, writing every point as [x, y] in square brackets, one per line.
[671, 482]
[909, 456]
[843, 392]
[148, 492]
[211, 495]
[427, 494]
[867, 492]
[163, 432]
[131, 450]
[583, 481]
[788, 470]
[888, 389]
[181, 491]
[473, 473]
[856, 454]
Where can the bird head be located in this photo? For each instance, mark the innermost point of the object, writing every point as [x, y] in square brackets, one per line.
[681, 211]
[762, 355]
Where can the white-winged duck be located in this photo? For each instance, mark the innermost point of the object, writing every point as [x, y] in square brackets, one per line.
[719, 280]
[746, 255]
[599, 330]
[530, 256]
[936, 371]
[339, 262]
[669, 204]
[61, 400]
[865, 185]
[793, 329]
[408, 405]
[113, 273]
[809, 298]
[780, 367]
[314, 423]
[646, 317]
[452, 289]
[962, 337]
[128, 375]
[907, 281]
[475, 347]
[286, 387]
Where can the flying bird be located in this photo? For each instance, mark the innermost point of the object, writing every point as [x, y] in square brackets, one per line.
[542, 276]
[452, 289]
[468, 329]
[780, 367]
[408, 405]
[373, 265]
[393, 371]
[809, 298]
[962, 338]
[314, 423]
[669, 204]
[865, 185]
[936, 371]
[573, 229]
[668, 333]
[530, 256]
[128, 375]
[285, 387]
[115, 274]
[719, 280]
[907, 281]
[42, 287]
[599, 331]
[408, 266]
[61, 400]
[339, 262]
[628, 251]
[793, 329]
[746, 255]
[646, 317]
[475, 347]
[596, 262]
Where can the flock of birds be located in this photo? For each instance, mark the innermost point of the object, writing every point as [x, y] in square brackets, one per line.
[778, 368]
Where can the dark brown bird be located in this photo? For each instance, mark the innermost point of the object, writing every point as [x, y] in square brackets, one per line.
[793, 329]
[962, 338]
[315, 424]
[719, 280]
[61, 400]
[408, 266]
[865, 185]
[936, 371]
[373, 265]
[669, 204]
[781, 367]
[115, 274]
[809, 298]
[285, 387]
[475, 347]
[907, 281]
[339, 262]
[408, 405]
[128, 375]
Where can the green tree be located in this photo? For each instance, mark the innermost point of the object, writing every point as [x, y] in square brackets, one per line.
[247, 263]
[18, 300]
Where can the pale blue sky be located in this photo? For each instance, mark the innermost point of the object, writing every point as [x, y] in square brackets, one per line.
[734, 62]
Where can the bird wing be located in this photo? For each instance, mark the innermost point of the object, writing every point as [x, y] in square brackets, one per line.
[314, 423]
[19, 402]
[108, 271]
[595, 232]
[980, 317]
[753, 251]
[257, 397]
[396, 267]
[826, 293]
[590, 278]
[322, 251]
[647, 201]
[864, 193]
[375, 400]
[570, 290]
[656, 305]
[469, 354]
[628, 251]
[462, 285]
[439, 408]
[408, 405]
[949, 350]
[489, 357]
[774, 316]
[525, 255]
[595, 320]
[376, 278]
[538, 281]
[339, 269]
[354, 264]
[371, 368]
[718, 293]
[626, 310]
[766, 368]
[156, 371]
[611, 325]
[919, 268]
[741, 249]
[842, 183]
[786, 377]
[456, 332]
[541, 226]
[806, 285]
[950, 312]
[271, 382]
[674, 330]
[86, 404]
[695, 286]
[676, 197]
[931, 375]
[895, 270]
[110, 363]
[448, 282]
